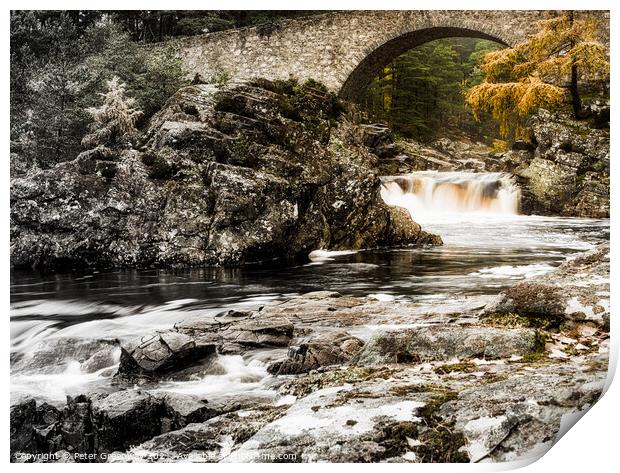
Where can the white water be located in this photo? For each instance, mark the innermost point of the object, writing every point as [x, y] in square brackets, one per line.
[237, 376]
[429, 193]
[481, 210]
[54, 387]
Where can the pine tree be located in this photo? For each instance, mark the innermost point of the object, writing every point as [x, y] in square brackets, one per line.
[114, 122]
[57, 113]
[419, 92]
[544, 71]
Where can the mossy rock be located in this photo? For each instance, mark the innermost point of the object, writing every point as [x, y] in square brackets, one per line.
[512, 320]
[441, 443]
[528, 304]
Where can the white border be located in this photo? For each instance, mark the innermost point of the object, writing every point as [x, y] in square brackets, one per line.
[591, 446]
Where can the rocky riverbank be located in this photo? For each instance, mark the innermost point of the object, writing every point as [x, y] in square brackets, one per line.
[562, 170]
[351, 379]
[226, 175]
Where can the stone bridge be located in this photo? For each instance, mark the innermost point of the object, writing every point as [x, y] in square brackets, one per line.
[345, 50]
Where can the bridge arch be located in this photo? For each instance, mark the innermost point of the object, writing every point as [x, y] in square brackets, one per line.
[362, 73]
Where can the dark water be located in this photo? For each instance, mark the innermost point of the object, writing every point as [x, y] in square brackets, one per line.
[481, 255]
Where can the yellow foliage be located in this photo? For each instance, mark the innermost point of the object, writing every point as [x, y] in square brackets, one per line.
[511, 102]
[388, 74]
[500, 145]
[534, 74]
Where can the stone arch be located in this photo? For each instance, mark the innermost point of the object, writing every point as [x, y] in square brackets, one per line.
[342, 49]
[379, 55]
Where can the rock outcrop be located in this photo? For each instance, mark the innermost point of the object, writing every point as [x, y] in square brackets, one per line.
[101, 424]
[240, 173]
[567, 173]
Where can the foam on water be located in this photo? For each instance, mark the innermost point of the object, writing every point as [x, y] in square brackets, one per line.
[320, 256]
[238, 376]
[527, 271]
[54, 388]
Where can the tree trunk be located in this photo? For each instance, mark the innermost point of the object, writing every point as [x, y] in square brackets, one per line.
[574, 85]
[574, 92]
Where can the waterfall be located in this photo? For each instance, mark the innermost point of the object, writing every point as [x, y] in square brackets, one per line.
[430, 193]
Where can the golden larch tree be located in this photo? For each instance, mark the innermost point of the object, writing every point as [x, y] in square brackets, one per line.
[544, 71]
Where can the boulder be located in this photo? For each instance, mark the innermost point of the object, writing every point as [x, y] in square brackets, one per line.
[188, 348]
[379, 139]
[577, 291]
[445, 342]
[76, 425]
[162, 352]
[125, 418]
[318, 350]
[184, 409]
[237, 332]
[33, 428]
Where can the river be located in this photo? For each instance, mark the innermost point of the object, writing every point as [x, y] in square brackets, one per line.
[487, 247]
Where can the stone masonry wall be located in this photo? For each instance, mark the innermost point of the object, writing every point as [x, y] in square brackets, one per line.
[344, 49]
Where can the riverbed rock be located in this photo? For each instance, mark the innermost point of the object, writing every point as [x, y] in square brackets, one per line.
[513, 427]
[578, 291]
[335, 427]
[33, 428]
[227, 175]
[443, 342]
[126, 418]
[318, 350]
[328, 309]
[76, 424]
[184, 409]
[499, 410]
[239, 332]
[189, 348]
[162, 352]
[208, 441]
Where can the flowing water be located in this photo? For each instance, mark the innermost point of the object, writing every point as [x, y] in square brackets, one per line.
[487, 246]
